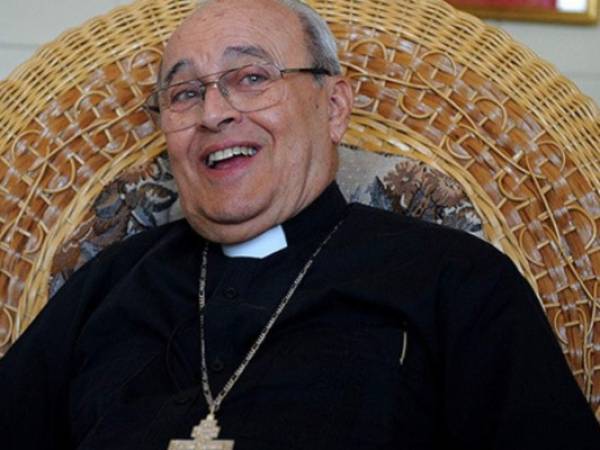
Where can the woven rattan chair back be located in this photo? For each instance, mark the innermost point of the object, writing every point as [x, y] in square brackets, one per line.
[431, 84]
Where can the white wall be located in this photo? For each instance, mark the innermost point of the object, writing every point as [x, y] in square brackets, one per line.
[574, 50]
[25, 24]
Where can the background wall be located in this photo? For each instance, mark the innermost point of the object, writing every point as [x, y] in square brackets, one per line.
[25, 24]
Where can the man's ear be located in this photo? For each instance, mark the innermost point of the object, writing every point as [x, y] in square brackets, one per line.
[340, 107]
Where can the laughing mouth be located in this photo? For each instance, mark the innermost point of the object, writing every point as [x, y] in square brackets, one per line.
[229, 153]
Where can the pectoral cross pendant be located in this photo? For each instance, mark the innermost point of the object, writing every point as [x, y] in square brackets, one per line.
[204, 437]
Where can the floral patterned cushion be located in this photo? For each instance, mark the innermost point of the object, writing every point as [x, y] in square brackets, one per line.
[406, 186]
[138, 200]
[146, 197]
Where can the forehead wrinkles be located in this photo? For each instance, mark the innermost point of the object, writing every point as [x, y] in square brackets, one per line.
[206, 34]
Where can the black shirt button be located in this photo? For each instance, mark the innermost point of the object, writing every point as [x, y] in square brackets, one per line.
[217, 365]
[230, 293]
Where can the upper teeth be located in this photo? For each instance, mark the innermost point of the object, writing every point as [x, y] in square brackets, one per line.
[230, 152]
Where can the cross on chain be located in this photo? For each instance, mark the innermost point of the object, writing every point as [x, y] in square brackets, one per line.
[205, 438]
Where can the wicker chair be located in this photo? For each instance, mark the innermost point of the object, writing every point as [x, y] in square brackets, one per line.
[502, 135]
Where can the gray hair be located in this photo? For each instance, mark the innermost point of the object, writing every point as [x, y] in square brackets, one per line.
[319, 40]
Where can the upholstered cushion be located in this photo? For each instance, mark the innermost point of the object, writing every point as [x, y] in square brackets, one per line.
[145, 197]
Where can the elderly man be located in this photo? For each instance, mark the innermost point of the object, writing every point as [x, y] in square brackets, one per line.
[276, 311]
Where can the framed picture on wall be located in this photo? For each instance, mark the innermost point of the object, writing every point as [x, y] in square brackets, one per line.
[573, 11]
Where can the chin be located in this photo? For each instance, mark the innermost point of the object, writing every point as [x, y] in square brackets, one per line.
[230, 233]
[230, 226]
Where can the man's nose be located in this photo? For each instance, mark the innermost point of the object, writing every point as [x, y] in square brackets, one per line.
[216, 109]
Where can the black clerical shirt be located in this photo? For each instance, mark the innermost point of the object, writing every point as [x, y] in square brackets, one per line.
[403, 335]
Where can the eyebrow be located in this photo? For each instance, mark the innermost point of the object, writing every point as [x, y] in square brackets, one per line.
[229, 53]
[173, 70]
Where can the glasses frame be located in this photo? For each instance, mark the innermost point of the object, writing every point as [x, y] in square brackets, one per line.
[152, 102]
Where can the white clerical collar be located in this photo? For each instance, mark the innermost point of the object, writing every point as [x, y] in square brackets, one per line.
[261, 246]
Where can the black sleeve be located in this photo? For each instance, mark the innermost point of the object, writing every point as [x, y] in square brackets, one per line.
[35, 372]
[507, 384]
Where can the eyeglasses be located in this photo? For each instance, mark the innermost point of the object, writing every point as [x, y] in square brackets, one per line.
[248, 88]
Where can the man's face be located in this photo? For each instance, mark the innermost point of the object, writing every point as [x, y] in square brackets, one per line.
[294, 140]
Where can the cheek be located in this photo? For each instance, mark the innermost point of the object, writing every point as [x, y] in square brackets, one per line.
[177, 145]
[300, 129]
[174, 146]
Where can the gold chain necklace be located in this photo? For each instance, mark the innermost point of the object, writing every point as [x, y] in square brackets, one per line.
[205, 434]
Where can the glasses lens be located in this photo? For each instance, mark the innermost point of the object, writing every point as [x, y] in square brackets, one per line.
[253, 87]
[182, 96]
[179, 105]
[249, 88]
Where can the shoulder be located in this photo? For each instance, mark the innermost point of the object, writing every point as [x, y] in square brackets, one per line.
[135, 247]
[452, 267]
[117, 260]
[81, 294]
[418, 237]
